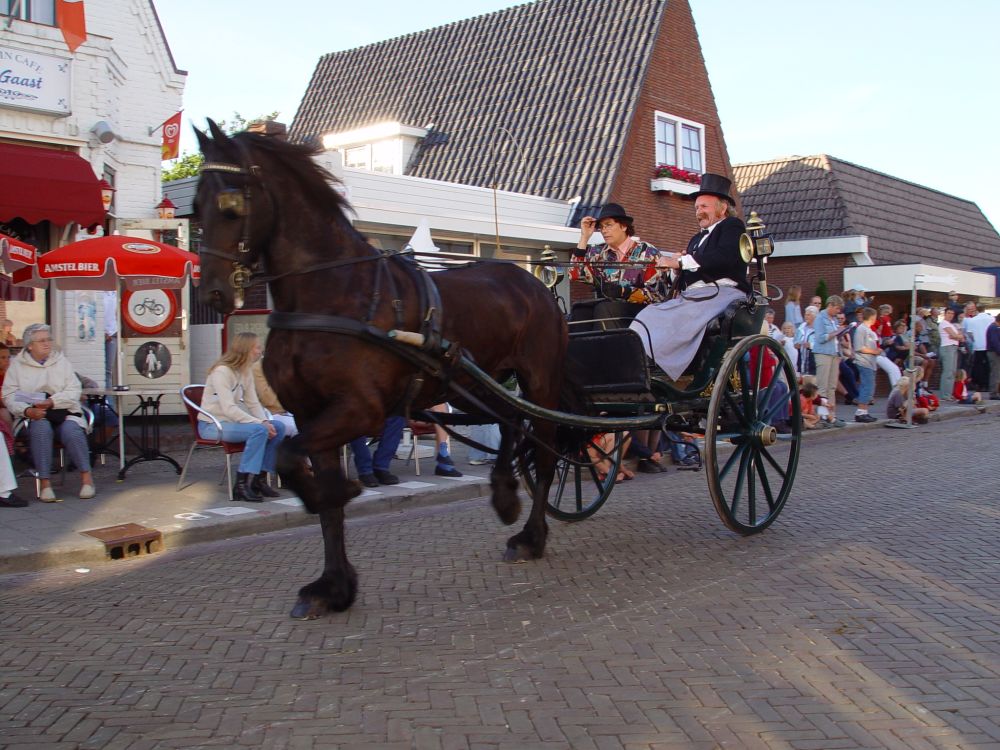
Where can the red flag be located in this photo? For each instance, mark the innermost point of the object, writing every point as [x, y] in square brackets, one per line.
[170, 149]
[72, 22]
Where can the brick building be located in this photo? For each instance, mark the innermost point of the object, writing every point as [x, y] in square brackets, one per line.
[574, 100]
[93, 111]
[847, 225]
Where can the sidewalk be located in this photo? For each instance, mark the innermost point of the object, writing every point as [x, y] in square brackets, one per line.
[53, 534]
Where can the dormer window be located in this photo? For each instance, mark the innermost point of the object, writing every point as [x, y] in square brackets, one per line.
[38, 11]
[385, 147]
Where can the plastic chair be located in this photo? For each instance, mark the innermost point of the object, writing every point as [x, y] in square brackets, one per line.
[419, 430]
[21, 440]
[192, 395]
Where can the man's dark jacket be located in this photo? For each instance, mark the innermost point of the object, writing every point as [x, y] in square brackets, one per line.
[719, 255]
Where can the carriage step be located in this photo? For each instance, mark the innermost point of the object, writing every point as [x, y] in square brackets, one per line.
[127, 540]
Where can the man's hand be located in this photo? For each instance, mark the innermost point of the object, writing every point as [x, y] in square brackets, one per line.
[588, 225]
[271, 431]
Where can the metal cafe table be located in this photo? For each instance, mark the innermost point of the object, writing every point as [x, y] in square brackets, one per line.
[147, 413]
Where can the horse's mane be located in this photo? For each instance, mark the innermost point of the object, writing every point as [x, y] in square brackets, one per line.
[297, 160]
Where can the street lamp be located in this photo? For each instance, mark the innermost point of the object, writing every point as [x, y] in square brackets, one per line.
[107, 194]
[165, 208]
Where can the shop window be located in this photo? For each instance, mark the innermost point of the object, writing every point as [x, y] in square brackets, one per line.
[680, 143]
[37, 11]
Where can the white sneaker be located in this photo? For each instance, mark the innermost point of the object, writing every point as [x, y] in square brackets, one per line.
[87, 491]
[48, 496]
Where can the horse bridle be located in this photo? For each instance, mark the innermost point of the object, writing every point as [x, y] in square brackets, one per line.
[238, 203]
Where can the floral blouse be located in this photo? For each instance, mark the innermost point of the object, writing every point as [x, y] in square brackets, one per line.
[630, 284]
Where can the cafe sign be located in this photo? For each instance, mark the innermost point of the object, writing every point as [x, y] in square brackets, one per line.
[31, 80]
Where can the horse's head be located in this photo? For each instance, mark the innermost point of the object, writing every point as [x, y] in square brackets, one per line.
[236, 214]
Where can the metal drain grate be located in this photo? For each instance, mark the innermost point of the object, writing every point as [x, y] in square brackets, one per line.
[128, 540]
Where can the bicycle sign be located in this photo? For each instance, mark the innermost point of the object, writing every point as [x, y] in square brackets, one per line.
[149, 311]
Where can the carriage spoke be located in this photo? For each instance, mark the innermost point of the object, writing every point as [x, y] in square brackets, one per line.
[740, 477]
[737, 408]
[765, 484]
[770, 459]
[752, 491]
[724, 471]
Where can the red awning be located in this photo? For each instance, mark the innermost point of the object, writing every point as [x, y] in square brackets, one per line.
[41, 183]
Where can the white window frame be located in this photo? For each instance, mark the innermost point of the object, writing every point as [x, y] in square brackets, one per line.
[27, 10]
[679, 124]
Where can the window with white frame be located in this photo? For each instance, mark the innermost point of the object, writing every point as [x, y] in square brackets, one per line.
[38, 11]
[381, 156]
[680, 142]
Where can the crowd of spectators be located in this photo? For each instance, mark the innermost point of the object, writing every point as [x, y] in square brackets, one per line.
[839, 345]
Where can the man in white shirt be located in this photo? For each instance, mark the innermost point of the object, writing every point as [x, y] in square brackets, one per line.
[110, 336]
[975, 324]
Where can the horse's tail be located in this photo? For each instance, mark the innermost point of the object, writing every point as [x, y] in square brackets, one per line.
[575, 400]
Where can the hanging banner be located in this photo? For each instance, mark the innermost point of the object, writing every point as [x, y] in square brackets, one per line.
[72, 22]
[170, 148]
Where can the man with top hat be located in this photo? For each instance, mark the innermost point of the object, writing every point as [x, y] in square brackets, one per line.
[710, 274]
[622, 271]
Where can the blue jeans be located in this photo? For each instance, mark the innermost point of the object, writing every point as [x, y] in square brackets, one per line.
[866, 388]
[392, 433]
[680, 448]
[485, 434]
[259, 453]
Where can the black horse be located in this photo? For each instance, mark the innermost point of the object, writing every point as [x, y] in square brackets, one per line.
[264, 203]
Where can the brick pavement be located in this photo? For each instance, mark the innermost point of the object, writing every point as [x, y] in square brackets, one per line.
[866, 616]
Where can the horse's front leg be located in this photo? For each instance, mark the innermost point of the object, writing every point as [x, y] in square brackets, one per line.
[503, 483]
[330, 491]
[529, 542]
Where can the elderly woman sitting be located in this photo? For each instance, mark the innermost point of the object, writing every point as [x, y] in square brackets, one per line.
[41, 387]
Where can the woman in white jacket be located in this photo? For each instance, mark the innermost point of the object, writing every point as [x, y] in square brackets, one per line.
[41, 386]
[231, 397]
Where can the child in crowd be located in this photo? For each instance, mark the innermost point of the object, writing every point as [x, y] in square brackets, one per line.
[788, 331]
[866, 351]
[961, 392]
[807, 402]
[895, 407]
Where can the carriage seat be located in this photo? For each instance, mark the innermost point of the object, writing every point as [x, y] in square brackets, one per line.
[608, 362]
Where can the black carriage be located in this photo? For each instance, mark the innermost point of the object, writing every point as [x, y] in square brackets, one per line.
[739, 395]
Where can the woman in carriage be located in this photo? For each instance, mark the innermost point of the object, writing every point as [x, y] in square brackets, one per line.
[622, 271]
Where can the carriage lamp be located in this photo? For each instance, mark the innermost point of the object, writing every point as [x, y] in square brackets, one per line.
[166, 208]
[754, 243]
[546, 270]
[107, 194]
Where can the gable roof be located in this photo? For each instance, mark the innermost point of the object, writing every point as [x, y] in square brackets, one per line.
[561, 77]
[807, 197]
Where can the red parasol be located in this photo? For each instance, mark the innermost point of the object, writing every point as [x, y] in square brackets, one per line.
[16, 254]
[101, 262]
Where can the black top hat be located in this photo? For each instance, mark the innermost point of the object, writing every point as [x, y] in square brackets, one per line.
[613, 211]
[717, 185]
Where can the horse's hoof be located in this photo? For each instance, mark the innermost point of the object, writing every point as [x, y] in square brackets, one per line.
[306, 609]
[517, 554]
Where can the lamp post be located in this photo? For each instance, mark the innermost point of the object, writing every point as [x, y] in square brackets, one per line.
[107, 194]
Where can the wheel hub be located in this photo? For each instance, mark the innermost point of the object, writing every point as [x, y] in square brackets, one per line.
[765, 435]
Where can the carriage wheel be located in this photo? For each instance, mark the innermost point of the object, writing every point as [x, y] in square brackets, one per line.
[750, 482]
[578, 490]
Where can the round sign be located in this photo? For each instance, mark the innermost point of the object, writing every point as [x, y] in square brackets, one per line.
[152, 360]
[150, 310]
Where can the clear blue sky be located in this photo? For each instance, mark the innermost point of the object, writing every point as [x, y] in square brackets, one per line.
[905, 87]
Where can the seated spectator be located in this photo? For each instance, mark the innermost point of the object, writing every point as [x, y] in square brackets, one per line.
[41, 387]
[683, 451]
[269, 400]
[847, 374]
[804, 339]
[807, 403]
[821, 406]
[487, 435]
[899, 351]
[600, 448]
[645, 445]
[962, 392]
[895, 406]
[925, 351]
[444, 465]
[8, 483]
[231, 397]
[373, 471]
[7, 337]
[772, 330]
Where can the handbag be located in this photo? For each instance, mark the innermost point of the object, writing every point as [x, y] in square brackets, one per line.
[56, 416]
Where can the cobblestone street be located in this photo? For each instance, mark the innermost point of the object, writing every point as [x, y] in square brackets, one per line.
[866, 616]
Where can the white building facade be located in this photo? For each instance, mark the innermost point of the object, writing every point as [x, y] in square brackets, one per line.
[103, 103]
